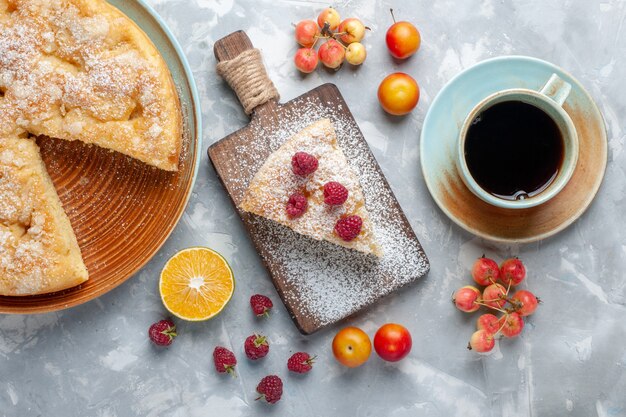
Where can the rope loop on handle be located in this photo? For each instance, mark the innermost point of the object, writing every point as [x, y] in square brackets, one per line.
[246, 75]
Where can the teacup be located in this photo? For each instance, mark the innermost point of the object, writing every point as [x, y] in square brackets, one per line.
[549, 101]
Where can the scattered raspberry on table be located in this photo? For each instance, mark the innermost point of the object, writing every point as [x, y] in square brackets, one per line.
[225, 360]
[261, 305]
[256, 346]
[270, 388]
[163, 332]
[300, 362]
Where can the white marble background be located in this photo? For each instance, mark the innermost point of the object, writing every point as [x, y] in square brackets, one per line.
[96, 360]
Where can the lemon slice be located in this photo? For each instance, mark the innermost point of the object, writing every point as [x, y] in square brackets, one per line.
[196, 284]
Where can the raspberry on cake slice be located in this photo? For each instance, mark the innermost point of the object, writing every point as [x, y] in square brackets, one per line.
[307, 184]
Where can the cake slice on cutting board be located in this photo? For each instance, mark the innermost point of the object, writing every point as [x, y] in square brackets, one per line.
[307, 184]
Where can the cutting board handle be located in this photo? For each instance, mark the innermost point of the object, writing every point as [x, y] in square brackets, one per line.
[229, 48]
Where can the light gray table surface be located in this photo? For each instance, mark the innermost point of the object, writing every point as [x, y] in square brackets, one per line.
[96, 359]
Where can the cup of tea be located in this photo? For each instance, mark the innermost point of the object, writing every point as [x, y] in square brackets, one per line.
[518, 148]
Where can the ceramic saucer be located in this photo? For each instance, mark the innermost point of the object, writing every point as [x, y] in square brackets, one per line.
[438, 146]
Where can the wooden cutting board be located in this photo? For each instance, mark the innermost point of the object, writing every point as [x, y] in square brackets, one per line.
[319, 282]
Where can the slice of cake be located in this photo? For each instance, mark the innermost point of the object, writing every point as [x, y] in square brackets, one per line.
[82, 70]
[38, 250]
[307, 184]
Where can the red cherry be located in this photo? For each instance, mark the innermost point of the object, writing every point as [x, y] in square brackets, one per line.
[481, 341]
[488, 322]
[485, 271]
[494, 296]
[511, 324]
[512, 270]
[466, 299]
[392, 342]
[403, 39]
[528, 302]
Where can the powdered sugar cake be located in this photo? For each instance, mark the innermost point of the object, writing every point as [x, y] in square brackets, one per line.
[275, 182]
[319, 282]
[80, 71]
[38, 250]
[75, 70]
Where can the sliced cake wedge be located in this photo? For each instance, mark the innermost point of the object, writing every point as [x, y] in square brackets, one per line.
[38, 249]
[307, 184]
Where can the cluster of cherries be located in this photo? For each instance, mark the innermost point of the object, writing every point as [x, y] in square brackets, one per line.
[398, 93]
[343, 41]
[497, 281]
[335, 194]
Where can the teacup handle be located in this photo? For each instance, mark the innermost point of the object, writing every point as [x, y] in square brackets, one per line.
[557, 89]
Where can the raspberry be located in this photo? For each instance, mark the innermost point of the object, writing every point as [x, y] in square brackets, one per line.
[303, 164]
[270, 388]
[256, 346]
[297, 205]
[162, 333]
[335, 194]
[349, 227]
[261, 305]
[224, 359]
[300, 362]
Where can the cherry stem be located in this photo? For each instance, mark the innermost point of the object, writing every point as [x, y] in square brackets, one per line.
[340, 42]
[491, 307]
[503, 323]
[392, 16]
[504, 294]
[510, 300]
[317, 38]
[326, 30]
[516, 305]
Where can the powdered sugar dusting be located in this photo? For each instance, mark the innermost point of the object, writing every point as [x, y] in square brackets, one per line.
[275, 182]
[325, 282]
[77, 70]
[28, 228]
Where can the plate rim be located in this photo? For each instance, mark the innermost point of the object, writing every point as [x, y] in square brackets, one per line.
[429, 181]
